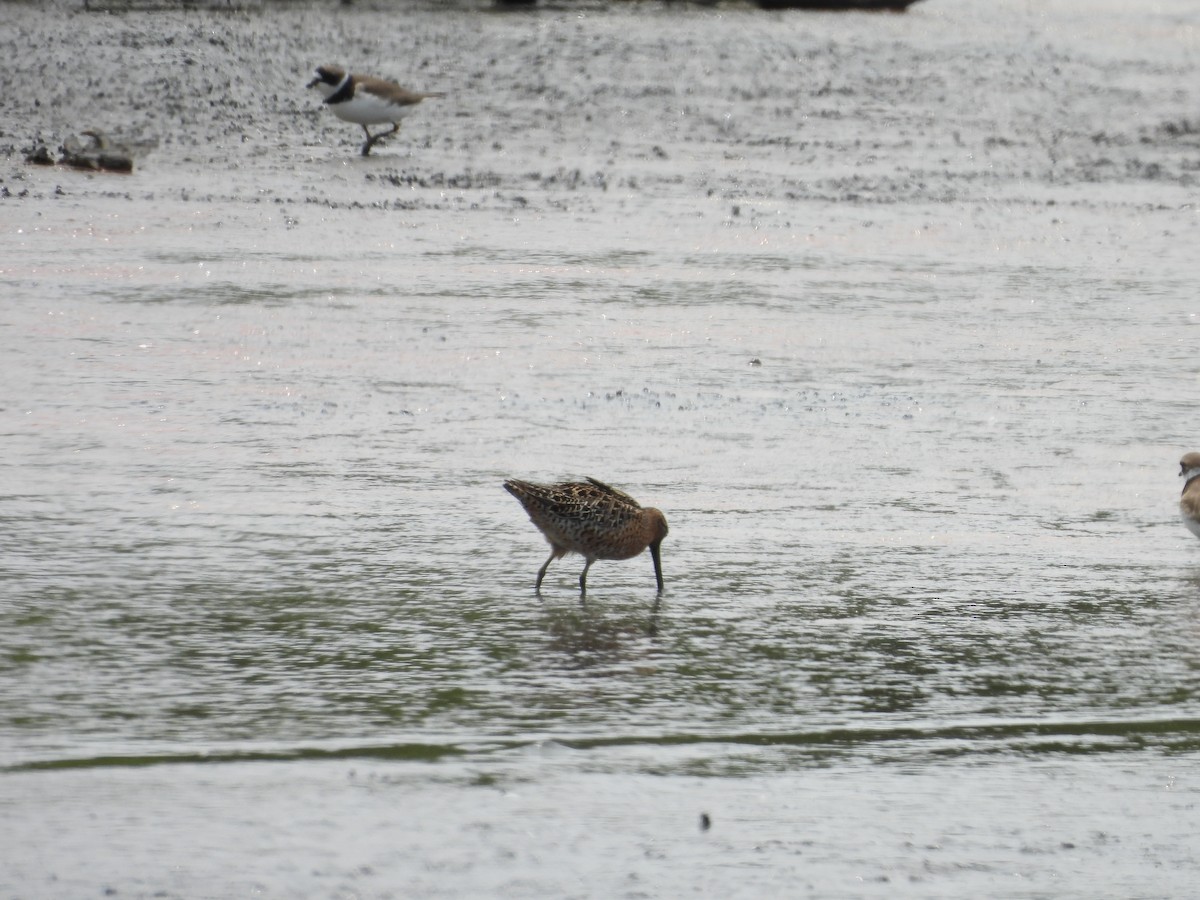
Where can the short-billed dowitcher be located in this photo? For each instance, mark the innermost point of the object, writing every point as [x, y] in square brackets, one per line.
[1189, 503]
[592, 519]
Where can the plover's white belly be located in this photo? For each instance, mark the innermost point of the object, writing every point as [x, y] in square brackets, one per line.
[1192, 525]
[367, 109]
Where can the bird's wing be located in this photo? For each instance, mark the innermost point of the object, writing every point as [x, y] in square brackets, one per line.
[609, 489]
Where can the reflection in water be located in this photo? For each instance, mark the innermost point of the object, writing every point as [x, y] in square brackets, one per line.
[593, 635]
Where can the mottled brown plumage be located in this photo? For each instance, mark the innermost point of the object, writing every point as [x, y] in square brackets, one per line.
[592, 519]
[1189, 503]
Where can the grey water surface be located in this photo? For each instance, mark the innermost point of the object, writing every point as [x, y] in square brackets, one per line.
[890, 314]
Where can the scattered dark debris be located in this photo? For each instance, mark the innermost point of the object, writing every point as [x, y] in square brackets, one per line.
[40, 156]
[1182, 128]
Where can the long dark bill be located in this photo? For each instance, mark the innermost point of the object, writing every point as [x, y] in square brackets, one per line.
[654, 554]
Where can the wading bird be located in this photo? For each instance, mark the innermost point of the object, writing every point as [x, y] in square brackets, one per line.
[592, 519]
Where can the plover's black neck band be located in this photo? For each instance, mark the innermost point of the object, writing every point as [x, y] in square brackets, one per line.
[344, 91]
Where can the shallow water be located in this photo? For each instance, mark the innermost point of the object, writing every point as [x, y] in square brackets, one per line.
[889, 314]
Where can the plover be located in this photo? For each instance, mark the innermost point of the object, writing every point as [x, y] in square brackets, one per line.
[1189, 503]
[591, 519]
[365, 100]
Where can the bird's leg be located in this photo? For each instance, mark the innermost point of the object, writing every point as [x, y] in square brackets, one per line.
[583, 576]
[372, 139]
[366, 148]
[554, 554]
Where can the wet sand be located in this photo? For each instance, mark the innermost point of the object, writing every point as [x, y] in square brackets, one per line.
[891, 315]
